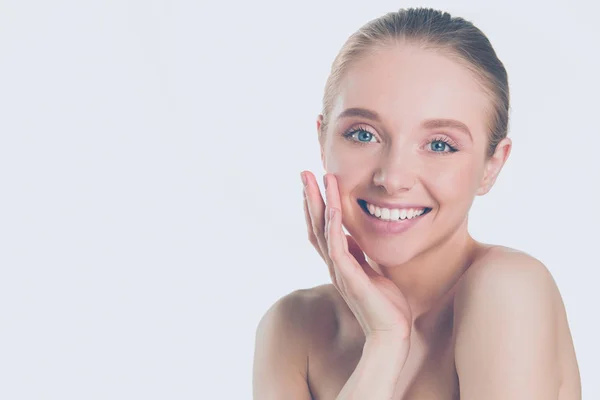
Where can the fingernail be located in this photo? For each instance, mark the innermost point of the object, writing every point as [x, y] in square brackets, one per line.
[303, 178]
[325, 180]
[331, 213]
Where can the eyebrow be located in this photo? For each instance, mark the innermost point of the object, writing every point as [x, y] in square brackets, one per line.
[429, 124]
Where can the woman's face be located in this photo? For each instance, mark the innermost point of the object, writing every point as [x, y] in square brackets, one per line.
[422, 142]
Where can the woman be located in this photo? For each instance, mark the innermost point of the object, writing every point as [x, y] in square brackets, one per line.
[413, 127]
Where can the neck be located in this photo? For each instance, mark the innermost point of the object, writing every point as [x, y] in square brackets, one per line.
[427, 278]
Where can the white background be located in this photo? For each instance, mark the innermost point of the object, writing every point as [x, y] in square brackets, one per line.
[150, 198]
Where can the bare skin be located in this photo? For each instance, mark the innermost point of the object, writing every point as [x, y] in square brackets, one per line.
[480, 321]
[337, 341]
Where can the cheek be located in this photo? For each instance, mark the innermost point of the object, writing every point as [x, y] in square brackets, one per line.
[455, 182]
[351, 169]
[347, 163]
[349, 174]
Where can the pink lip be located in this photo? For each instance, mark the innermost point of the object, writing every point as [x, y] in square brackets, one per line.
[385, 204]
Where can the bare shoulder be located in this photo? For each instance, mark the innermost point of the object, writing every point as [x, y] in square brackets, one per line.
[284, 337]
[500, 268]
[502, 277]
[303, 316]
[510, 323]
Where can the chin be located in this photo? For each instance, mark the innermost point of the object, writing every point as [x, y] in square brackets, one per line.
[389, 256]
[390, 252]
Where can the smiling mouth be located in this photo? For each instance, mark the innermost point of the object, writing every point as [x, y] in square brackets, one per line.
[393, 215]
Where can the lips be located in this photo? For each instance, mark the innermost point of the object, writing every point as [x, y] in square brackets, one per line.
[384, 228]
[364, 206]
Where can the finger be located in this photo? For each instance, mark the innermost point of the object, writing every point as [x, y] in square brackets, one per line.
[359, 255]
[316, 208]
[309, 226]
[357, 252]
[331, 254]
[332, 193]
[348, 269]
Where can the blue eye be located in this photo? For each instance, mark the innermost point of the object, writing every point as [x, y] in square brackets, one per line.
[360, 135]
[364, 135]
[439, 145]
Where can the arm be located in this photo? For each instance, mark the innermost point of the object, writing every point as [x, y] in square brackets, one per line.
[280, 355]
[377, 372]
[506, 331]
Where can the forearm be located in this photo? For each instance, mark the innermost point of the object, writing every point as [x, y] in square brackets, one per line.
[377, 372]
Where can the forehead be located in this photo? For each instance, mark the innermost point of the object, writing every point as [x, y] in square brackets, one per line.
[407, 84]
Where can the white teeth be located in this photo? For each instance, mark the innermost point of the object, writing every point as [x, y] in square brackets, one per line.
[394, 214]
[385, 213]
[371, 208]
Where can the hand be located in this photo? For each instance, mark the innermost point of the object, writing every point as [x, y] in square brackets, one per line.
[379, 306]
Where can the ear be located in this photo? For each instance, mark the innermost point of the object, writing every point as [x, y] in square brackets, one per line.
[494, 165]
[321, 138]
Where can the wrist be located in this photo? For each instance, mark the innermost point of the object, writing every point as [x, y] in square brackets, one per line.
[389, 339]
[394, 348]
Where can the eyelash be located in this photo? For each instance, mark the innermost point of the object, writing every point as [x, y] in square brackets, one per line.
[449, 142]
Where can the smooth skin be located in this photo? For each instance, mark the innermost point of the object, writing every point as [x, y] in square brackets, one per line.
[458, 318]
[378, 305]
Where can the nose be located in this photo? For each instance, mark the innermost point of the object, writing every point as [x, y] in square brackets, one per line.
[397, 171]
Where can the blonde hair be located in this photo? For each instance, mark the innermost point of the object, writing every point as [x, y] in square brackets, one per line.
[429, 29]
